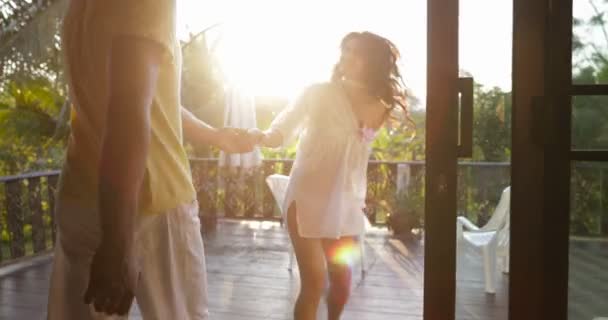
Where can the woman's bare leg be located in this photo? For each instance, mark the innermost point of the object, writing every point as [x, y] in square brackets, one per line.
[311, 264]
[339, 255]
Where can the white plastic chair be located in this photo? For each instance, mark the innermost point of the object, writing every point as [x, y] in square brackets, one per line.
[498, 218]
[277, 183]
[492, 239]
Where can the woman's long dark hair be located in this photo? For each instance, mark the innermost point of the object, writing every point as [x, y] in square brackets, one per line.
[383, 77]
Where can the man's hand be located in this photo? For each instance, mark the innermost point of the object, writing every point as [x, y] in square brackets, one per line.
[113, 279]
[268, 139]
[233, 140]
[258, 136]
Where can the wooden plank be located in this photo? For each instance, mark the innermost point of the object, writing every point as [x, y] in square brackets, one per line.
[248, 276]
[36, 219]
[465, 141]
[526, 250]
[441, 160]
[557, 164]
[589, 155]
[589, 90]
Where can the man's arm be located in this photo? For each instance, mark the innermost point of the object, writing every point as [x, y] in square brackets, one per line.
[133, 72]
[197, 131]
[200, 133]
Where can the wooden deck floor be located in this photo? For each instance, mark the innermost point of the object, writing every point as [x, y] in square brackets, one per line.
[248, 279]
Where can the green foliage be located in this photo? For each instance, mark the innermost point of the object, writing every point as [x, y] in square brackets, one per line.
[407, 211]
[590, 122]
[589, 206]
[202, 89]
[491, 125]
[32, 133]
[591, 56]
[280, 153]
[588, 198]
[401, 143]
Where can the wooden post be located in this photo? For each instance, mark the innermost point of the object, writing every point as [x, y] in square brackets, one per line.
[441, 160]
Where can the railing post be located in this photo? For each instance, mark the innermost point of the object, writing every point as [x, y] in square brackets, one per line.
[269, 203]
[603, 222]
[3, 198]
[15, 218]
[248, 192]
[211, 169]
[229, 192]
[286, 167]
[51, 184]
[205, 180]
[371, 208]
[392, 177]
[35, 201]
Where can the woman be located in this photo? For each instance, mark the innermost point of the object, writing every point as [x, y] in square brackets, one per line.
[336, 123]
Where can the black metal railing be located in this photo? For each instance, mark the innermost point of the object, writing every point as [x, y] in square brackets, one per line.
[231, 193]
[27, 224]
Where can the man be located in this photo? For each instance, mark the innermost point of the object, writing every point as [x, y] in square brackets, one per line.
[126, 211]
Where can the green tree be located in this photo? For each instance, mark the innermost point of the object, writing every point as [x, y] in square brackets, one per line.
[491, 124]
[401, 142]
[32, 130]
[589, 214]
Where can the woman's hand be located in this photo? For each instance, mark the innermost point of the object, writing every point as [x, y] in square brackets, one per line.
[234, 140]
[258, 136]
[268, 139]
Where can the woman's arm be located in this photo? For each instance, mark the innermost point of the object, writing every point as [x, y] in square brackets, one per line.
[288, 123]
[269, 138]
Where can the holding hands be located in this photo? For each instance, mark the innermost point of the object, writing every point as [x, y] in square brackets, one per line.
[236, 140]
[258, 136]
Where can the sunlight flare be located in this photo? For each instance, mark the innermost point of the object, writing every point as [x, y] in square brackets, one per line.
[346, 253]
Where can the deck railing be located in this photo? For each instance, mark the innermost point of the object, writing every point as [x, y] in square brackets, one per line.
[27, 224]
[27, 205]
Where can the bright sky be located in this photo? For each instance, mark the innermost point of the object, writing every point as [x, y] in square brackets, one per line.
[594, 34]
[275, 47]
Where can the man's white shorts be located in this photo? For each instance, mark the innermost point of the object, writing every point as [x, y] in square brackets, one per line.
[172, 281]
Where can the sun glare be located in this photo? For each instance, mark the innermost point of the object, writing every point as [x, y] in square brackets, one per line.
[265, 46]
[268, 59]
[276, 47]
[345, 253]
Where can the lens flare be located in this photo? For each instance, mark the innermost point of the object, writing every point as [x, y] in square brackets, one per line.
[345, 253]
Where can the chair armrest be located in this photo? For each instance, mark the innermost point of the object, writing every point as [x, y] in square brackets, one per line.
[466, 224]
